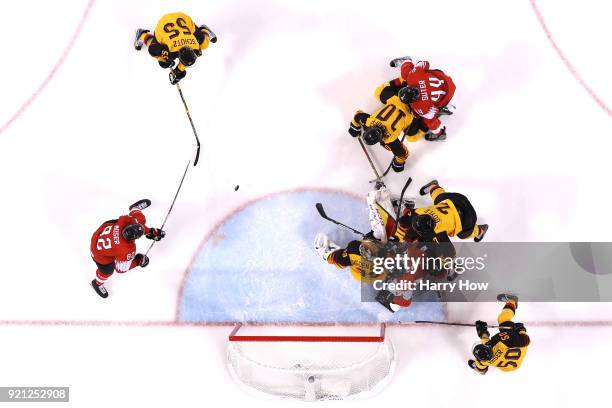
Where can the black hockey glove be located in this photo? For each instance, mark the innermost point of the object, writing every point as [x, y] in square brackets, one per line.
[354, 130]
[176, 75]
[519, 327]
[142, 260]
[166, 64]
[384, 297]
[481, 329]
[156, 234]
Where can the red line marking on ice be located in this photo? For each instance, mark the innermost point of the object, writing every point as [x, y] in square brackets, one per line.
[566, 61]
[175, 324]
[55, 68]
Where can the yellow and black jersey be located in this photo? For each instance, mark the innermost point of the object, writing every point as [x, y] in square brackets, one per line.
[173, 32]
[393, 119]
[177, 30]
[453, 215]
[361, 268]
[445, 215]
[509, 346]
[508, 354]
[389, 89]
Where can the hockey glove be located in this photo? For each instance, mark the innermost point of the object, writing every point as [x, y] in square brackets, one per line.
[166, 64]
[354, 130]
[474, 367]
[384, 297]
[519, 327]
[176, 75]
[156, 234]
[481, 329]
[142, 260]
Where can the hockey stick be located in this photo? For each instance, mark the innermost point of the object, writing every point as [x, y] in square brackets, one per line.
[391, 162]
[197, 157]
[460, 324]
[171, 205]
[365, 151]
[399, 204]
[324, 216]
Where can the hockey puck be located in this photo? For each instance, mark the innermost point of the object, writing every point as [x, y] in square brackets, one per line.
[237, 187]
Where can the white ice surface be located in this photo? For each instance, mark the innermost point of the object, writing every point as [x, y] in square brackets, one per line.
[272, 101]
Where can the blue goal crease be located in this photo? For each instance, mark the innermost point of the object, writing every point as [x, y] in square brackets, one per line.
[260, 266]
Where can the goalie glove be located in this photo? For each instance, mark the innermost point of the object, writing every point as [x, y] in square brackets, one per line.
[324, 246]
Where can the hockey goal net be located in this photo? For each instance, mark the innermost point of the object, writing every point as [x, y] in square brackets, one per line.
[311, 367]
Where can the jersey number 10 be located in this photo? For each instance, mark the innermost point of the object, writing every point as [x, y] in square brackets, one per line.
[386, 113]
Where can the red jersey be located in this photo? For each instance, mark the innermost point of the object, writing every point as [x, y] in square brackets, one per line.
[108, 244]
[436, 90]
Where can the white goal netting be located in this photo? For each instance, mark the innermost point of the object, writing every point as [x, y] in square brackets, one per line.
[311, 368]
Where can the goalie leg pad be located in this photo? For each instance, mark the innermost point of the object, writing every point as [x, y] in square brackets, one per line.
[380, 211]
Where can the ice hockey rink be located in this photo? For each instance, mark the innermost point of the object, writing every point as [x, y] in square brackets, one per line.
[88, 126]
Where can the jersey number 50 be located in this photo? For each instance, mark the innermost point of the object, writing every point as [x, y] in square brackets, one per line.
[174, 32]
[104, 242]
[511, 354]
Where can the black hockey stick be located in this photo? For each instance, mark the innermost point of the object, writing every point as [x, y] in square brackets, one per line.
[365, 151]
[399, 204]
[390, 164]
[460, 324]
[323, 215]
[195, 133]
[171, 205]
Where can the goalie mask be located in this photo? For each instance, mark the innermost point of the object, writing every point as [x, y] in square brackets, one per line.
[369, 250]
